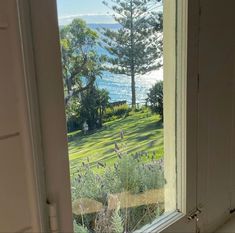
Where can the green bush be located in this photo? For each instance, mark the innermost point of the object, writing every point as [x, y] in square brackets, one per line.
[89, 108]
[79, 228]
[137, 177]
[93, 104]
[155, 98]
[115, 112]
[117, 222]
[129, 173]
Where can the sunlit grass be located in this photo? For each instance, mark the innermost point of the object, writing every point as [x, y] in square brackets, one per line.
[143, 133]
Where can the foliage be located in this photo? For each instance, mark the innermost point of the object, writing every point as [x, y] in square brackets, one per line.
[92, 107]
[128, 174]
[79, 228]
[103, 222]
[130, 171]
[73, 114]
[143, 133]
[81, 65]
[117, 222]
[115, 112]
[135, 48]
[137, 177]
[155, 98]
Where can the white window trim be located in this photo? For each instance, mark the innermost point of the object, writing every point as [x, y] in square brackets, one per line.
[180, 99]
[42, 68]
[186, 71]
[40, 224]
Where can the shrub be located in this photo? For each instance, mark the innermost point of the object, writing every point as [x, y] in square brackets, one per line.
[89, 108]
[73, 114]
[117, 222]
[129, 173]
[79, 228]
[116, 112]
[155, 98]
[93, 104]
[138, 177]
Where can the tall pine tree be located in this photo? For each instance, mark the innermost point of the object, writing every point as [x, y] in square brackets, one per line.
[136, 47]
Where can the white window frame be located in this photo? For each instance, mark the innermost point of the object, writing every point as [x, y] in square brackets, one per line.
[180, 112]
[42, 33]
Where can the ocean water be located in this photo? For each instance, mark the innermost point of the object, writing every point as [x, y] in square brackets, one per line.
[118, 86]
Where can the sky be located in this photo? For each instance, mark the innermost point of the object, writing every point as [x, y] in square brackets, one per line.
[92, 11]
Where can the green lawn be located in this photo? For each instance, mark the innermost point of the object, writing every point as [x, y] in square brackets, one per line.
[143, 132]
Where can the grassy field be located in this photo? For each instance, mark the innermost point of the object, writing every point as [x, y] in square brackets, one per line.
[143, 132]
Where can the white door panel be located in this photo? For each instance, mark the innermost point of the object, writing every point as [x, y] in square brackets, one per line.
[8, 97]
[14, 196]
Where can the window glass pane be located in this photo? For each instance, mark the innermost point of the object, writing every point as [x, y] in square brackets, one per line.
[122, 175]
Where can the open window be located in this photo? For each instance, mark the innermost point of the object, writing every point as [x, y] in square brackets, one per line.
[123, 183]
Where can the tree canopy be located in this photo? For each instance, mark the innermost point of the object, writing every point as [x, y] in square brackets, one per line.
[155, 98]
[92, 106]
[136, 48]
[81, 62]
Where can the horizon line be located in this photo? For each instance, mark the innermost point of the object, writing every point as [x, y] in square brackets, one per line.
[84, 15]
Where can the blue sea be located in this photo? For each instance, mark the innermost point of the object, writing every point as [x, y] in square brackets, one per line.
[118, 86]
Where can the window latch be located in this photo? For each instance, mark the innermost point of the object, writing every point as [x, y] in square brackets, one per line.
[194, 215]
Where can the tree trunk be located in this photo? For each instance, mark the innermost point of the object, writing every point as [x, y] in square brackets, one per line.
[132, 62]
[133, 91]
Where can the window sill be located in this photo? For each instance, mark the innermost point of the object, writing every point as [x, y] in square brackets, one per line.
[161, 223]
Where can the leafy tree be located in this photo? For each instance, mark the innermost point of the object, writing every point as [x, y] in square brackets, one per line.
[80, 61]
[92, 106]
[102, 102]
[135, 48]
[73, 114]
[155, 98]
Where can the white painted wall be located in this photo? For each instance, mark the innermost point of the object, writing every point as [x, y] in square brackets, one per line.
[19, 197]
[33, 143]
[216, 135]
[228, 227]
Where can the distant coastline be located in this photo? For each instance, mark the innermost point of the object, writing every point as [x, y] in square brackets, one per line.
[90, 19]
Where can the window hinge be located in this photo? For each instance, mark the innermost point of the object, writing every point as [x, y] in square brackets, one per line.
[194, 215]
[53, 221]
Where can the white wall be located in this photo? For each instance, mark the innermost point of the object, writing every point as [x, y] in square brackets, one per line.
[18, 193]
[216, 135]
[33, 143]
